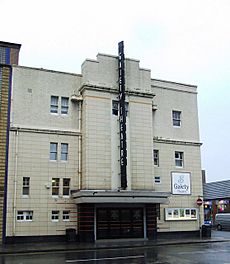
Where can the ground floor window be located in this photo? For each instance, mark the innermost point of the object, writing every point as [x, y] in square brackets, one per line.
[24, 216]
[120, 223]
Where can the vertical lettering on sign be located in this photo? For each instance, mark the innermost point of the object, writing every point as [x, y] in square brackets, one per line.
[122, 113]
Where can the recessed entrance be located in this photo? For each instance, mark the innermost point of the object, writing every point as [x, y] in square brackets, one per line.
[120, 223]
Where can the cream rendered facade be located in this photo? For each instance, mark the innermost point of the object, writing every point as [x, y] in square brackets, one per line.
[91, 131]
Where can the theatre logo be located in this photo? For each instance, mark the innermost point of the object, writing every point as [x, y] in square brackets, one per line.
[181, 183]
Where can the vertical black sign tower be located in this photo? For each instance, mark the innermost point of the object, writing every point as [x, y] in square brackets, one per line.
[122, 115]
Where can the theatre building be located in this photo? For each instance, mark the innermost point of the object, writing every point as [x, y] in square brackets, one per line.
[108, 153]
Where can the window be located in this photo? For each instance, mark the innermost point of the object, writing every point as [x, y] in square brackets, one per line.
[53, 151]
[156, 157]
[64, 151]
[26, 186]
[115, 108]
[64, 105]
[179, 159]
[24, 216]
[65, 215]
[55, 216]
[54, 104]
[55, 186]
[176, 116]
[157, 179]
[66, 186]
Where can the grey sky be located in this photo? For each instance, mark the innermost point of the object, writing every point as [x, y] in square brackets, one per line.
[181, 40]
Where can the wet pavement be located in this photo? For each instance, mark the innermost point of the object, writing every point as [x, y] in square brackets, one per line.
[217, 237]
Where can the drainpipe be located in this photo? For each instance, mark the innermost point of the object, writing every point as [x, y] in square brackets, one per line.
[15, 181]
[80, 146]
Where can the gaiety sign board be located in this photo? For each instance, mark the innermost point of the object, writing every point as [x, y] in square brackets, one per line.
[122, 114]
[181, 183]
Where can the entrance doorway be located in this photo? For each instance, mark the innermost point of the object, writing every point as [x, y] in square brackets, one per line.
[119, 223]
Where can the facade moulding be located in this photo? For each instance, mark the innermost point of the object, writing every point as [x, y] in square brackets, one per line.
[46, 131]
[176, 142]
[98, 88]
[47, 70]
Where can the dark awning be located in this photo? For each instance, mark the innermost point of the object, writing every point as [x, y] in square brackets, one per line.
[120, 196]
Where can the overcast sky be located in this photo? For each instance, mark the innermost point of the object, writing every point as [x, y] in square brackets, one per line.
[184, 41]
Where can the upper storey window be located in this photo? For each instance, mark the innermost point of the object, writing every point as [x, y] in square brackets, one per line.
[54, 104]
[64, 105]
[115, 108]
[55, 108]
[176, 118]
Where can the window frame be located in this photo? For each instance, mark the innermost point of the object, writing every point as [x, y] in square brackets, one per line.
[25, 186]
[176, 118]
[115, 108]
[55, 186]
[157, 179]
[53, 152]
[64, 105]
[64, 187]
[55, 215]
[23, 214]
[156, 158]
[66, 215]
[180, 159]
[54, 105]
[65, 152]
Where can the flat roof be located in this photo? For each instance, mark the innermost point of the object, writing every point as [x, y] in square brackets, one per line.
[10, 45]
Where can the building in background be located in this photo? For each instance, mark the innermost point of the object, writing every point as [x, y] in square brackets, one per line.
[216, 199]
[109, 153]
[9, 53]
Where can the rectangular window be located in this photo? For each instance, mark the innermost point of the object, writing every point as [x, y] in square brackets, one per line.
[55, 186]
[157, 179]
[156, 157]
[176, 116]
[65, 215]
[115, 108]
[64, 105]
[54, 104]
[24, 216]
[53, 151]
[66, 187]
[26, 186]
[64, 151]
[55, 216]
[179, 159]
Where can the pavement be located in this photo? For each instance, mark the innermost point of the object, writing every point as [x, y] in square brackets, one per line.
[27, 248]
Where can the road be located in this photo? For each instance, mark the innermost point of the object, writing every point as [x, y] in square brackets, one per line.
[202, 253]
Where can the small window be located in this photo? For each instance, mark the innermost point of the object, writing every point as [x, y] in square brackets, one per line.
[24, 216]
[65, 215]
[55, 186]
[157, 179]
[64, 151]
[55, 216]
[66, 187]
[54, 104]
[64, 105]
[156, 157]
[176, 116]
[53, 151]
[26, 186]
[115, 108]
[179, 159]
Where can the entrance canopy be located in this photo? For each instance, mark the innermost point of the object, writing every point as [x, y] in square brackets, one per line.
[120, 196]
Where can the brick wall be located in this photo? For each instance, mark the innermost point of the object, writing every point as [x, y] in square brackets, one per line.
[5, 72]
